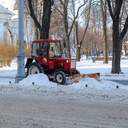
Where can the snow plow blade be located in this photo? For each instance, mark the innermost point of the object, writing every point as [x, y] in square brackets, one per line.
[77, 77]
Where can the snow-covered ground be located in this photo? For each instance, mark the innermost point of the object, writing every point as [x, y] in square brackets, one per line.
[35, 102]
[41, 82]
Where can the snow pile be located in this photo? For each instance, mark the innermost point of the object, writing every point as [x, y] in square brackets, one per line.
[41, 82]
[35, 80]
[94, 84]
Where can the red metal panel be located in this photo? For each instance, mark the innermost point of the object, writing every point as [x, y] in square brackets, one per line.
[50, 40]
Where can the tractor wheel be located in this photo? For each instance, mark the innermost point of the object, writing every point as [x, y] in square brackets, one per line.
[60, 77]
[34, 68]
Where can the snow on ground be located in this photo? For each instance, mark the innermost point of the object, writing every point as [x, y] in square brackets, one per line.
[87, 66]
[40, 81]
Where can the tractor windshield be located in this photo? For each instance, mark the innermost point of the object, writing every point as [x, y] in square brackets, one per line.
[35, 47]
[55, 49]
[39, 49]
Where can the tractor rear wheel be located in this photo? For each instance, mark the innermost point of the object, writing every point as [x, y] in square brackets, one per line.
[60, 77]
[34, 68]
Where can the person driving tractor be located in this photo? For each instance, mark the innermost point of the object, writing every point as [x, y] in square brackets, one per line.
[51, 52]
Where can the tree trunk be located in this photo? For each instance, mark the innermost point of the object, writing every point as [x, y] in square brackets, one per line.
[45, 26]
[68, 47]
[104, 22]
[117, 48]
[66, 29]
[125, 49]
[44, 33]
[36, 32]
[118, 33]
[105, 43]
[77, 42]
[78, 53]
[116, 58]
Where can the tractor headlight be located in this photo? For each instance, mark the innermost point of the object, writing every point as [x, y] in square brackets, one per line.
[67, 61]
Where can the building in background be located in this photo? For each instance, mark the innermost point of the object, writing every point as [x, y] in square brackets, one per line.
[9, 26]
[5, 20]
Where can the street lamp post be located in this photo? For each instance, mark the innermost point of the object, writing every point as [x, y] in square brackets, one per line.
[20, 71]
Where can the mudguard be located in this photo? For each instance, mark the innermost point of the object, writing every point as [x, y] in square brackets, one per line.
[28, 62]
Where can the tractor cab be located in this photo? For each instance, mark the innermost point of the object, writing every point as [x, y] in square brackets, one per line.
[48, 49]
[48, 56]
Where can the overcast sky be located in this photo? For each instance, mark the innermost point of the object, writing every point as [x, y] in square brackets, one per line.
[7, 3]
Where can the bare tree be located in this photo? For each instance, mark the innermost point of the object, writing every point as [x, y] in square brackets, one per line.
[79, 41]
[104, 22]
[57, 27]
[68, 20]
[115, 8]
[44, 26]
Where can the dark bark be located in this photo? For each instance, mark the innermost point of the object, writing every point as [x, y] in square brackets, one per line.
[44, 33]
[45, 26]
[125, 29]
[77, 41]
[80, 41]
[118, 35]
[104, 21]
[66, 26]
[78, 53]
[116, 48]
[68, 29]
[33, 15]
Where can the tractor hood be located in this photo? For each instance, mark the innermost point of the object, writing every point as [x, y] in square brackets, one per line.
[65, 63]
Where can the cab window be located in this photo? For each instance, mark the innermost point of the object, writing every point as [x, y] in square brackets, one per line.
[55, 50]
[39, 49]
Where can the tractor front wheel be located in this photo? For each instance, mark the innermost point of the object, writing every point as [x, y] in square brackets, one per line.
[60, 77]
[34, 68]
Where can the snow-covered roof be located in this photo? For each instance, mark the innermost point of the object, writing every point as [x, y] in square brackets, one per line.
[4, 10]
[15, 17]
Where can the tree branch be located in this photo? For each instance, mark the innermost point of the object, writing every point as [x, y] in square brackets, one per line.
[62, 3]
[32, 14]
[125, 29]
[86, 28]
[117, 9]
[110, 9]
[61, 13]
[85, 1]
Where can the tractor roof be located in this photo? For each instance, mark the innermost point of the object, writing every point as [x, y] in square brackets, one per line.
[50, 40]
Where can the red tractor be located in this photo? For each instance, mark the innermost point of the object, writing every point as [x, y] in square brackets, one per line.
[48, 56]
